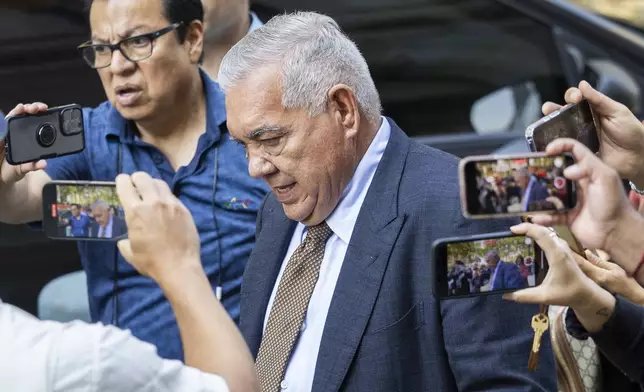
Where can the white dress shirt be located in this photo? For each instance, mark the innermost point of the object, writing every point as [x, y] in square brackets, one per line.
[301, 367]
[49, 356]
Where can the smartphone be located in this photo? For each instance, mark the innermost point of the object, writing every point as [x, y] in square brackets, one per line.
[571, 121]
[565, 234]
[515, 185]
[83, 211]
[487, 264]
[56, 132]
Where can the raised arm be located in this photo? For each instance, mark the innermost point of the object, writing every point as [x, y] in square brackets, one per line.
[164, 245]
[21, 186]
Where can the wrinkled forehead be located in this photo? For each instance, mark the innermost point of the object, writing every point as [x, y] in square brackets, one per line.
[254, 101]
[112, 19]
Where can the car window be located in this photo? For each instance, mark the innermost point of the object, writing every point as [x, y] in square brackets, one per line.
[434, 61]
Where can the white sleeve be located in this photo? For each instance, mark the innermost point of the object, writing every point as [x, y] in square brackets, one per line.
[110, 359]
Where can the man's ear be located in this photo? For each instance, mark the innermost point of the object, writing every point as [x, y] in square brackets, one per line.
[194, 41]
[342, 102]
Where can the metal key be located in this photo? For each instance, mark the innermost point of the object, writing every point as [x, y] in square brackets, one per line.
[540, 324]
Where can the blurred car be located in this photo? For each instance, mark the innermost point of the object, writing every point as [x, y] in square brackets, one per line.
[465, 76]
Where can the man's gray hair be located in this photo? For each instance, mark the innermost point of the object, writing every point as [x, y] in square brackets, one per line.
[313, 54]
[100, 203]
[523, 172]
[493, 255]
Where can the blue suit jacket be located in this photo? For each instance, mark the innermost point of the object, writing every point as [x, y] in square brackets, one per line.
[385, 330]
[538, 194]
[508, 276]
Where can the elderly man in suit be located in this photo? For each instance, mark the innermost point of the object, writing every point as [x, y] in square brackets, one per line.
[337, 294]
[107, 225]
[534, 193]
[505, 276]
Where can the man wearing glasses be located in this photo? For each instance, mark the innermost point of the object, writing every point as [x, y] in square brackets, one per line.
[166, 117]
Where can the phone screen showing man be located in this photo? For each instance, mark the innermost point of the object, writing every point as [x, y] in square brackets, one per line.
[516, 186]
[88, 212]
[492, 265]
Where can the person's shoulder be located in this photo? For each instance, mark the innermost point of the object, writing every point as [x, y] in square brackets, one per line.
[431, 173]
[100, 120]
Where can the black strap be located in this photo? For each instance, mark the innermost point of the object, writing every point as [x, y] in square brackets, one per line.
[115, 290]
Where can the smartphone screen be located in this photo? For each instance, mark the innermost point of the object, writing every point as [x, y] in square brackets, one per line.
[83, 211]
[575, 122]
[489, 264]
[516, 185]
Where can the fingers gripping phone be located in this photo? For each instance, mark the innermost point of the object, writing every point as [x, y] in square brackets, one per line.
[56, 132]
[83, 211]
[487, 264]
[515, 185]
[571, 121]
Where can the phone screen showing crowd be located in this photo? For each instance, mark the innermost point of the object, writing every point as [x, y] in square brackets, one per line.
[519, 186]
[492, 265]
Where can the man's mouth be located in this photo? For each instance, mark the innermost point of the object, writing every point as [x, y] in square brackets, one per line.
[127, 95]
[284, 193]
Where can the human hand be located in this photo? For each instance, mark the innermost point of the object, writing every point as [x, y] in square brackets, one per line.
[10, 174]
[602, 204]
[565, 283]
[559, 205]
[163, 241]
[611, 276]
[621, 134]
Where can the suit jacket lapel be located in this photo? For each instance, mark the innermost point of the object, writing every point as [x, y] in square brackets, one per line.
[261, 272]
[374, 235]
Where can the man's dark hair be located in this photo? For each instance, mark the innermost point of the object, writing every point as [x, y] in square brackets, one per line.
[176, 11]
[76, 205]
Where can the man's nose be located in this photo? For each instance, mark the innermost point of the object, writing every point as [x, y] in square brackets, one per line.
[120, 63]
[259, 167]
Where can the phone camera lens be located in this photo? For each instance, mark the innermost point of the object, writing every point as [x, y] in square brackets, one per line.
[72, 121]
[46, 135]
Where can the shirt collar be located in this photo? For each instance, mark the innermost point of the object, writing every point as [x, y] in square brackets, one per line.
[119, 127]
[344, 217]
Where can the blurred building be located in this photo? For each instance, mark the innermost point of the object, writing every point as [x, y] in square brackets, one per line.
[631, 11]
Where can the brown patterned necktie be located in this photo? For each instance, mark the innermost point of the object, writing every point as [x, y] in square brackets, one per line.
[289, 307]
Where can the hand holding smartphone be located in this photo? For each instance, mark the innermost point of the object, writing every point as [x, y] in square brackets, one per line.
[55, 132]
[574, 121]
[87, 211]
[486, 264]
[515, 185]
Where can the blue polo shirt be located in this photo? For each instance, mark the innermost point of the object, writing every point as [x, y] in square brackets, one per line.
[233, 198]
[80, 225]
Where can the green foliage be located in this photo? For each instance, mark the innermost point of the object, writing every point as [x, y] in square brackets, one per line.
[470, 252]
[86, 195]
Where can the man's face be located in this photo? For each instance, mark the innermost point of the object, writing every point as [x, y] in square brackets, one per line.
[101, 215]
[521, 179]
[143, 89]
[221, 17]
[75, 211]
[491, 261]
[306, 161]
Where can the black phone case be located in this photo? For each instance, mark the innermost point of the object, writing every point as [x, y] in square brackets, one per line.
[22, 144]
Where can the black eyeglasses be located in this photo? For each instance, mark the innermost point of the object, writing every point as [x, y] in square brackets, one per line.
[135, 48]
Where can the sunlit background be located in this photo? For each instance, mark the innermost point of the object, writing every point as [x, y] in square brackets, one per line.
[631, 11]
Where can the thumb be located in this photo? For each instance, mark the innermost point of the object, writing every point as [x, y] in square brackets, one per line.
[125, 247]
[532, 295]
[600, 103]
